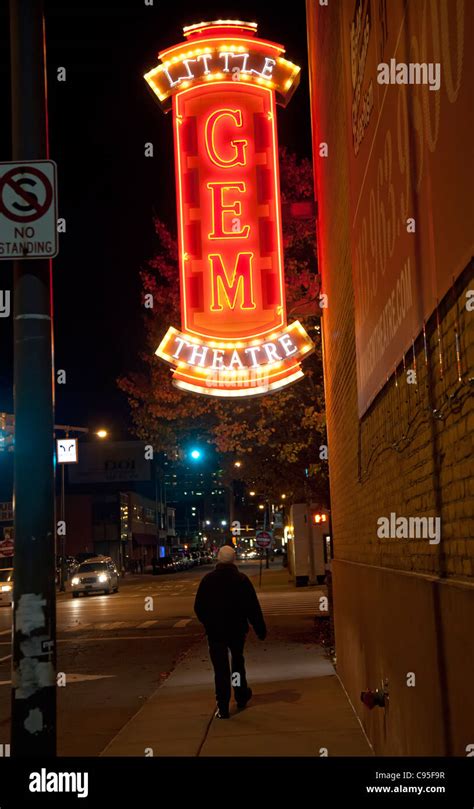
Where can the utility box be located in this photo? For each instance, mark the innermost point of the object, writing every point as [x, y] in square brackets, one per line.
[309, 543]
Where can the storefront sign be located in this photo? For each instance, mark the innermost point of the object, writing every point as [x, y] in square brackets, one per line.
[222, 85]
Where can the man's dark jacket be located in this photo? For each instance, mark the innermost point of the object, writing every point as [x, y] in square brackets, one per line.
[226, 602]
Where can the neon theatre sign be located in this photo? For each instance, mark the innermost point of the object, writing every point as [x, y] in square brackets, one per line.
[222, 84]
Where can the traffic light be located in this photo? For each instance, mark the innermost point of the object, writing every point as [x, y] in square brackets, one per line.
[7, 432]
[319, 518]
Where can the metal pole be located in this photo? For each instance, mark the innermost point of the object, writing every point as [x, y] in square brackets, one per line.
[63, 538]
[267, 561]
[231, 503]
[33, 724]
[312, 567]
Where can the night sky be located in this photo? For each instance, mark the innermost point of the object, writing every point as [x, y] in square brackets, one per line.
[100, 119]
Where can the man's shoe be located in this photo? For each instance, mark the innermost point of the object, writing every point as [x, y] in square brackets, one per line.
[242, 703]
[221, 714]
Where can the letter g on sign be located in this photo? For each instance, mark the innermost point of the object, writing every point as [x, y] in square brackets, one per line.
[238, 146]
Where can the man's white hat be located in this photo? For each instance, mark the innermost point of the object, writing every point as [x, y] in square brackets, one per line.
[226, 555]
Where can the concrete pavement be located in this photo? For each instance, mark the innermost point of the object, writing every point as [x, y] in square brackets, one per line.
[298, 709]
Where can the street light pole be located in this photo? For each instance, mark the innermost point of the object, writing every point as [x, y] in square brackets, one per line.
[62, 571]
[267, 552]
[33, 722]
[309, 527]
[62, 584]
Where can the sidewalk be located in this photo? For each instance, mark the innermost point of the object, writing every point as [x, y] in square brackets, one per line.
[298, 707]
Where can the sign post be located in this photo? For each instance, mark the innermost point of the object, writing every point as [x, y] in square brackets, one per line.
[33, 722]
[66, 452]
[222, 84]
[263, 540]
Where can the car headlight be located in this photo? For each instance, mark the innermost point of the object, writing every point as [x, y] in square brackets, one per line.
[6, 587]
[75, 580]
[102, 577]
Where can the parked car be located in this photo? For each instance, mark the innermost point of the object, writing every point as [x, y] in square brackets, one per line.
[6, 585]
[178, 563]
[165, 564]
[96, 574]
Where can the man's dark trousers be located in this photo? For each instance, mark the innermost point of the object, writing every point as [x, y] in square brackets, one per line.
[219, 653]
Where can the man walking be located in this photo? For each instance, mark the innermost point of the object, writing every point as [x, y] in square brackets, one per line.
[226, 602]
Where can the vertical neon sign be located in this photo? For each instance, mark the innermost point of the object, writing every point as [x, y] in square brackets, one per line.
[222, 84]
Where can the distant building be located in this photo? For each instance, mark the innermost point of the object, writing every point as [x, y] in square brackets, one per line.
[113, 505]
[200, 498]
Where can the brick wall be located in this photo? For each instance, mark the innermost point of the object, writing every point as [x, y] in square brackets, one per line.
[400, 605]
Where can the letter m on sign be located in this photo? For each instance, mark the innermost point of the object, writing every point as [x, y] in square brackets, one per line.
[229, 292]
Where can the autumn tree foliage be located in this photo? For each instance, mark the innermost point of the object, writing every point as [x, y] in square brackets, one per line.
[279, 438]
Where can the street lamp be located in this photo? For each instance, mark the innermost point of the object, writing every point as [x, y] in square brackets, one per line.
[283, 497]
[252, 494]
[102, 433]
[238, 464]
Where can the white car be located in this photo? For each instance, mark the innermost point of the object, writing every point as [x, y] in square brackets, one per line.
[6, 585]
[94, 575]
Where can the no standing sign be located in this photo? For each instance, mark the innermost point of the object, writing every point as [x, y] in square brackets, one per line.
[28, 210]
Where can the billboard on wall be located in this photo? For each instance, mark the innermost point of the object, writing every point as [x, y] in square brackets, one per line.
[111, 462]
[408, 81]
[222, 84]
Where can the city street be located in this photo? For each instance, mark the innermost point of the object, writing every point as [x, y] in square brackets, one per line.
[115, 653]
[237, 330]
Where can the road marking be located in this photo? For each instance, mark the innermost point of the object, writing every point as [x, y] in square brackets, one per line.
[79, 678]
[111, 625]
[75, 678]
[5, 658]
[75, 628]
[146, 624]
[129, 637]
[183, 622]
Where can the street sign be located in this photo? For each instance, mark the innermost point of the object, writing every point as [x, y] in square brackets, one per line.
[66, 450]
[28, 210]
[264, 539]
